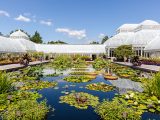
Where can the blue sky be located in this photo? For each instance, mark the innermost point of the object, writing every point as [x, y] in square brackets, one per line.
[74, 21]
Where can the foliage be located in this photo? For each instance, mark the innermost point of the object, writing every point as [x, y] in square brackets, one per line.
[62, 62]
[22, 105]
[78, 79]
[36, 38]
[116, 111]
[123, 51]
[140, 102]
[53, 75]
[35, 71]
[100, 87]
[100, 64]
[110, 77]
[152, 86]
[5, 83]
[57, 42]
[78, 63]
[104, 39]
[83, 73]
[37, 85]
[94, 42]
[26, 109]
[80, 100]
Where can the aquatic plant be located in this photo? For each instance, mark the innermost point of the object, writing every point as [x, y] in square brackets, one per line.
[5, 83]
[53, 75]
[113, 110]
[80, 100]
[26, 110]
[37, 85]
[79, 79]
[22, 105]
[62, 62]
[83, 73]
[100, 64]
[111, 77]
[35, 71]
[152, 86]
[140, 102]
[100, 87]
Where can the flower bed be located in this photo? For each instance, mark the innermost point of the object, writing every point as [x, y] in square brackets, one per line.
[100, 87]
[80, 100]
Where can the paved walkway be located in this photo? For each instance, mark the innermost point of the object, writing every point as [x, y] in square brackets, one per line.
[11, 67]
[148, 68]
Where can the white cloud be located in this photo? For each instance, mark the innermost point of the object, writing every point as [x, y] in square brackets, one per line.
[23, 18]
[46, 22]
[4, 13]
[79, 34]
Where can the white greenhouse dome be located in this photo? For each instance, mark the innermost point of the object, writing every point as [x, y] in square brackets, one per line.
[120, 39]
[149, 22]
[18, 35]
[154, 45]
[143, 37]
[10, 46]
[23, 38]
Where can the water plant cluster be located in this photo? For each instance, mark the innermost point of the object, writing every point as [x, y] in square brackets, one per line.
[100, 87]
[80, 100]
[140, 102]
[132, 104]
[79, 79]
[126, 72]
[20, 105]
[15, 101]
[114, 110]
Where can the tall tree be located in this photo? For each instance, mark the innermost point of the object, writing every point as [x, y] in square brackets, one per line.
[36, 38]
[123, 51]
[104, 39]
[1, 34]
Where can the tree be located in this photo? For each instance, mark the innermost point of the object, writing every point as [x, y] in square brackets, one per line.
[94, 42]
[36, 38]
[104, 39]
[123, 51]
[57, 42]
[62, 62]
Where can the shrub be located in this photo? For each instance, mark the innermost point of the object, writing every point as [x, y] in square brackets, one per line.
[152, 86]
[5, 84]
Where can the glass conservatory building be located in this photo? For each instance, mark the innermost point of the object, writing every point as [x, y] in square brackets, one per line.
[141, 36]
[144, 38]
[19, 42]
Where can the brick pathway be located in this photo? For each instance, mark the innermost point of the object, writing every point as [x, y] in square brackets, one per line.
[11, 67]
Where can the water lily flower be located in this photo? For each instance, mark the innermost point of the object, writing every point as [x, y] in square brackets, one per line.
[131, 95]
[127, 96]
[135, 103]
